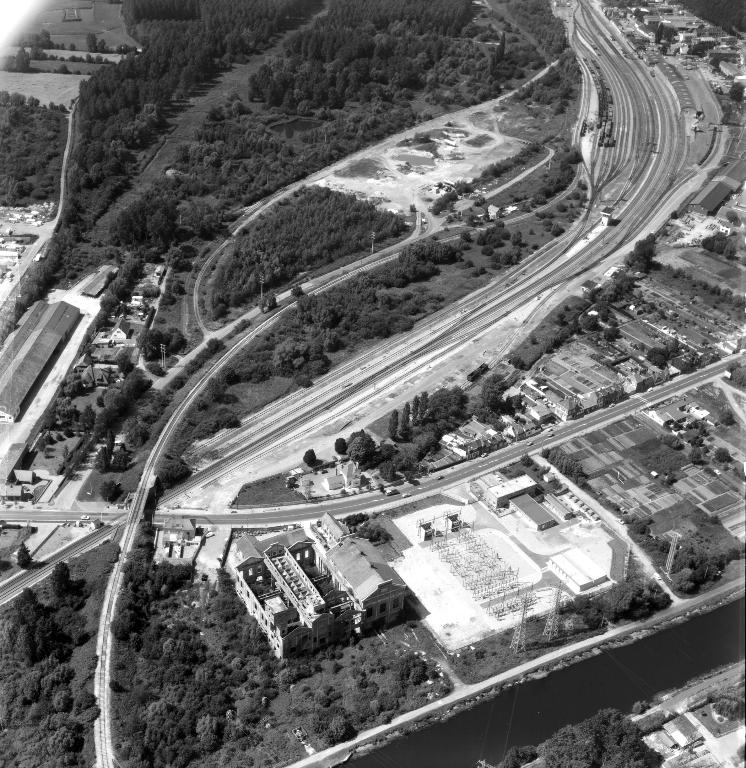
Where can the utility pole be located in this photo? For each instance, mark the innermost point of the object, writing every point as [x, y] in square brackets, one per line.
[372, 242]
[163, 356]
[518, 643]
[551, 628]
[261, 290]
[675, 536]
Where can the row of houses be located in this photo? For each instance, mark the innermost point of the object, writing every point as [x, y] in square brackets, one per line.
[307, 591]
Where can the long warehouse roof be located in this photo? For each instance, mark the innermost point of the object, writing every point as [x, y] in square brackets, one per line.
[30, 348]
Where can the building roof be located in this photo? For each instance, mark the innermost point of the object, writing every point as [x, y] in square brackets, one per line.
[30, 348]
[123, 325]
[253, 547]
[578, 566]
[477, 429]
[682, 730]
[97, 284]
[11, 491]
[186, 524]
[336, 530]
[362, 567]
[713, 195]
[506, 485]
[533, 510]
[735, 171]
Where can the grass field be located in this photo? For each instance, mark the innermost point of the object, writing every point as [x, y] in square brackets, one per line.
[705, 266]
[48, 87]
[270, 491]
[10, 540]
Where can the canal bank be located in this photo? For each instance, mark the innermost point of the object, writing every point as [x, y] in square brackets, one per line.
[530, 712]
[435, 718]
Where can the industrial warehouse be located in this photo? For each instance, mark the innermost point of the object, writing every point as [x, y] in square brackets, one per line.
[41, 335]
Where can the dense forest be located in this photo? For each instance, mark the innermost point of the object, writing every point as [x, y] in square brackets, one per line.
[236, 155]
[121, 108]
[389, 50]
[47, 661]
[201, 687]
[608, 739]
[315, 227]
[32, 140]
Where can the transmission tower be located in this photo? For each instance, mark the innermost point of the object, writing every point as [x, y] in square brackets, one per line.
[675, 536]
[518, 643]
[551, 628]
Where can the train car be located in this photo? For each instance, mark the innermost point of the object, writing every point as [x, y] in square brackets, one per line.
[477, 372]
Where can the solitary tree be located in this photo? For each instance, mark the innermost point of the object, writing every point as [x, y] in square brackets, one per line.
[23, 556]
[415, 409]
[309, 457]
[60, 579]
[102, 462]
[424, 402]
[722, 455]
[340, 446]
[109, 490]
[394, 424]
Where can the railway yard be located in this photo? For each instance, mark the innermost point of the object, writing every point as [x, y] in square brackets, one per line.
[612, 449]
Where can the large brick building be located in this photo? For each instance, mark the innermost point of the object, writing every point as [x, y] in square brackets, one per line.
[305, 596]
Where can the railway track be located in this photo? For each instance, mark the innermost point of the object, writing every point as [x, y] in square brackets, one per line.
[278, 421]
[542, 272]
[14, 586]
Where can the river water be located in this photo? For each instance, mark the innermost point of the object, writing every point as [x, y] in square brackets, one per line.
[529, 713]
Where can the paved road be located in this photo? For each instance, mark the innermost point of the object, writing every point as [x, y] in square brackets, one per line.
[468, 470]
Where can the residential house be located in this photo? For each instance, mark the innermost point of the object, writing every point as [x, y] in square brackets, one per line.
[330, 530]
[181, 529]
[671, 416]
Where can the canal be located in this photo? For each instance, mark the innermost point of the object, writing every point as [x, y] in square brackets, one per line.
[529, 713]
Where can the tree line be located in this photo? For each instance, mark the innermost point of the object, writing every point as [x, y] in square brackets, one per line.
[608, 738]
[47, 653]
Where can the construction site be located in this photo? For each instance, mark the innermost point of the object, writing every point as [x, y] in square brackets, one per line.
[478, 568]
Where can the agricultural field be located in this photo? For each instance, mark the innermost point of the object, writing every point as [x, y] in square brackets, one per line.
[71, 21]
[628, 462]
[47, 87]
[688, 481]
